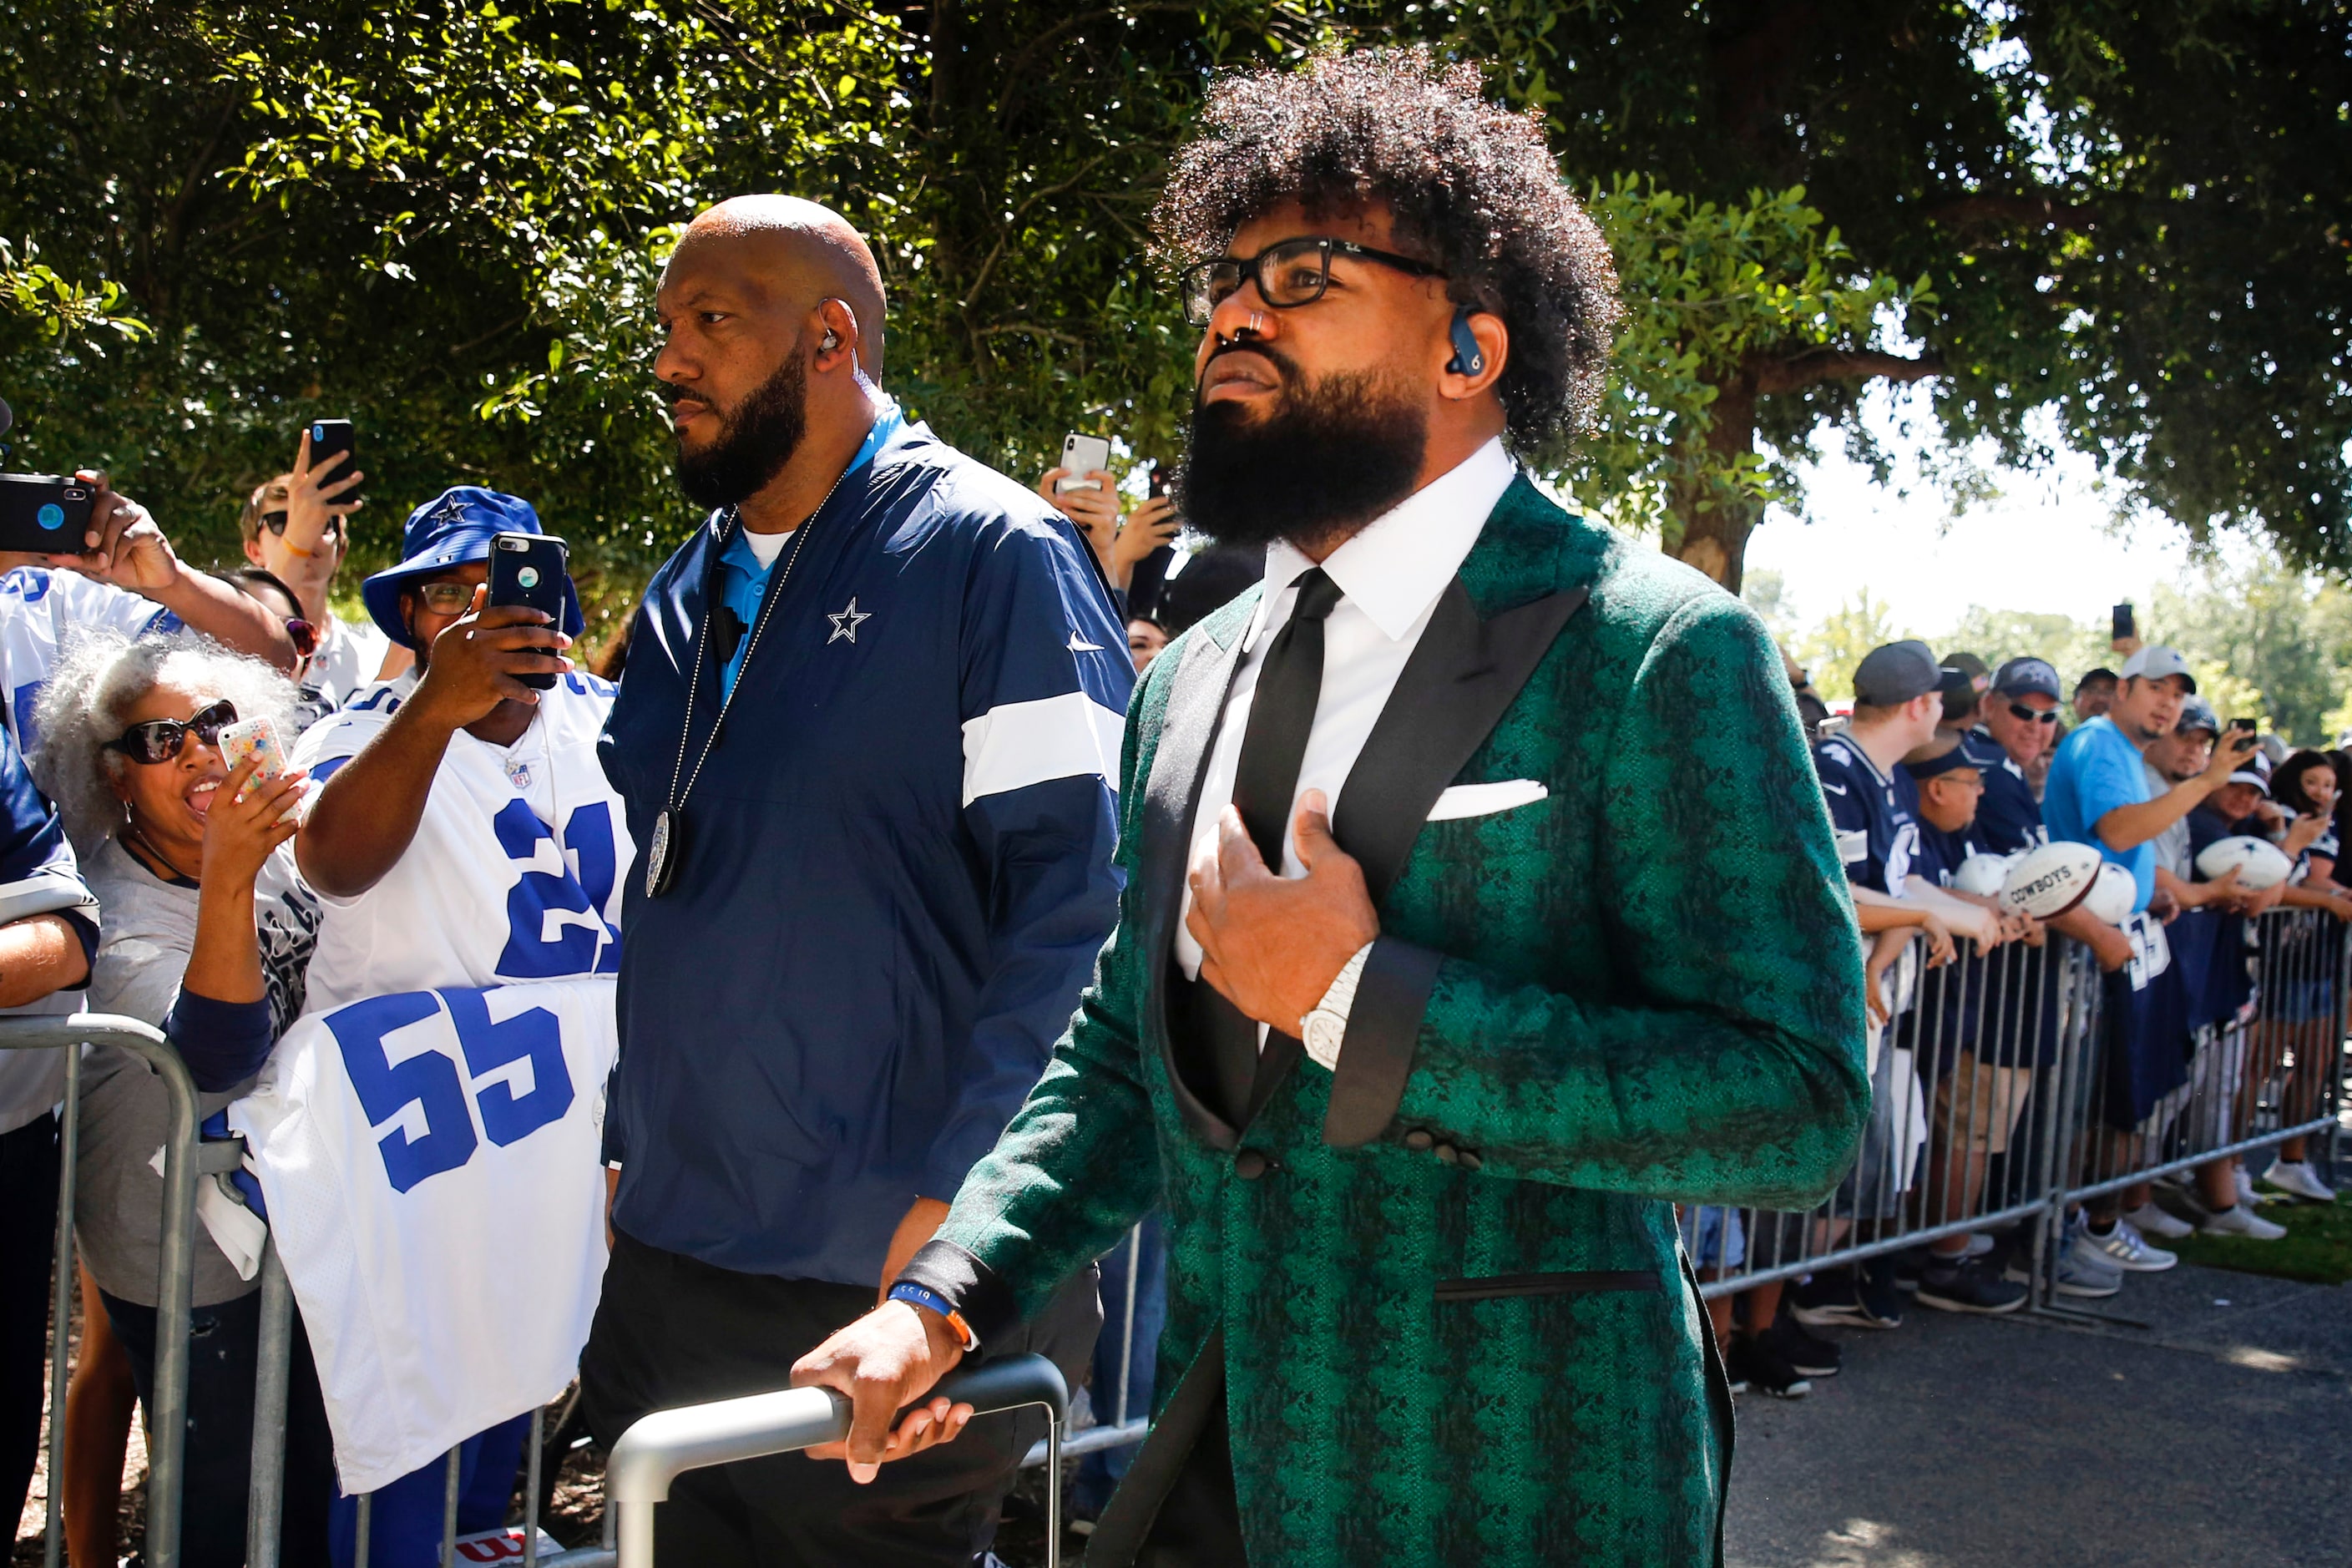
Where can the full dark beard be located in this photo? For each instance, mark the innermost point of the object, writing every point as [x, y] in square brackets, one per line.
[1330, 457]
[756, 439]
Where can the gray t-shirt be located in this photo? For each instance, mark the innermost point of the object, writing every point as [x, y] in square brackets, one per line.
[149, 930]
[2172, 844]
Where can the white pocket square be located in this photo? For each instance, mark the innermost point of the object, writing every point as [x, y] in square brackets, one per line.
[1485, 799]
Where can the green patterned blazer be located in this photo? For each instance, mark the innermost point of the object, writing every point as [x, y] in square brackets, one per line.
[1440, 1292]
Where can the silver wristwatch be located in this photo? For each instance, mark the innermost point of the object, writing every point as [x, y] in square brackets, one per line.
[1323, 1030]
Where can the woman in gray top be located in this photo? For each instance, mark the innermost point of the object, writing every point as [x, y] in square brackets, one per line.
[206, 933]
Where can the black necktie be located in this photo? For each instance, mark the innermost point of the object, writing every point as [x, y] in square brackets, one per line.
[1282, 712]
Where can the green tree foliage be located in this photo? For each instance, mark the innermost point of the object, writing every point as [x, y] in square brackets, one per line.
[2132, 212]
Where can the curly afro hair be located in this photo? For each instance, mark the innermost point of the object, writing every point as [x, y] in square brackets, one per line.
[1470, 184]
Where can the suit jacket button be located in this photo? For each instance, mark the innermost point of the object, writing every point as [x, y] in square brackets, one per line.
[1470, 1161]
[1419, 1140]
[1449, 1153]
[1249, 1164]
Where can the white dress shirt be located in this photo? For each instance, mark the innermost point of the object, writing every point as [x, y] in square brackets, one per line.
[1390, 577]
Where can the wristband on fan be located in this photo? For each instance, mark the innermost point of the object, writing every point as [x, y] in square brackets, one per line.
[930, 1300]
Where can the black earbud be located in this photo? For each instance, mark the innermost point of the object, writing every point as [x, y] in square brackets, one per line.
[1468, 359]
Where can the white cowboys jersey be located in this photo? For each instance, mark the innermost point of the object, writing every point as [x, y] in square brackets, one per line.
[515, 870]
[40, 612]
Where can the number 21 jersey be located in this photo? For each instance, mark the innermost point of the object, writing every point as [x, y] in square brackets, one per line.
[515, 871]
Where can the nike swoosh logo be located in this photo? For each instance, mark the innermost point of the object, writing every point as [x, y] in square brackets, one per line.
[1080, 645]
[1834, 789]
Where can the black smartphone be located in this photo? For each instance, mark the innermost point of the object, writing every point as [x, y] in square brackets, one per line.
[2247, 726]
[1158, 484]
[44, 514]
[2124, 623]
[329, 436]
[528, 569]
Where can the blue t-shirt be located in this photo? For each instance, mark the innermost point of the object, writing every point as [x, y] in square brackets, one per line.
[1877, 835]
[2096, 770]
[2008, 816]
[743, 580]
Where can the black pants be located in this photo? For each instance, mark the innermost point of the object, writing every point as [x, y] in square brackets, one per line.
[673, 1331]
[216, 1459]
[28, 1234]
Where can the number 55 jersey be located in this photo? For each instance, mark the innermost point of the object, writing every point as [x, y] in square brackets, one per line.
[426, 1136]
[515, 871]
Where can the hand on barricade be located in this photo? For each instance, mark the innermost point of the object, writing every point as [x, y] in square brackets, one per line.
[247, 820]
[884, 1361]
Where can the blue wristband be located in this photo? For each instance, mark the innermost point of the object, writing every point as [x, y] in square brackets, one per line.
[923, 1296]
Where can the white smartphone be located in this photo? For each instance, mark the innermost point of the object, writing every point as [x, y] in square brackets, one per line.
[1083, 455]
[254, 737]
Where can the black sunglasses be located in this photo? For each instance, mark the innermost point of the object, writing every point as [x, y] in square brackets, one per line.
[159, 740]
[275, 521]
[2032, 715]
[1288, 273]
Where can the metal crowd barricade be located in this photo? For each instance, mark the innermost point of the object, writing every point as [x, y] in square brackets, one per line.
[1979, 1042]
[2243, 1047]
[183, 1160]
[663, 1445]
[2261, 1049]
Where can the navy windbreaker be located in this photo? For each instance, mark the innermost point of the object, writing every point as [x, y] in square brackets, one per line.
[896, 869]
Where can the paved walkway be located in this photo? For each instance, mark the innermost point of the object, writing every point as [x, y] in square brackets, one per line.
[2220, 1435]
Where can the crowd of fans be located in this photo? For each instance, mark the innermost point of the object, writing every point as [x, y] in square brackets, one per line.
[215, 932]
[1947, 761]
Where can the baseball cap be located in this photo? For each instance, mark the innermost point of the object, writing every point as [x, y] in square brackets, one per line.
[2155, 662]
[453, 528]
[2196, 714]
[1896, 672]
[2020, 676]
[1940, 757]
[2256, 772]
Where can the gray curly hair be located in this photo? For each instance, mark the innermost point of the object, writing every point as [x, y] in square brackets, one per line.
[102, 674]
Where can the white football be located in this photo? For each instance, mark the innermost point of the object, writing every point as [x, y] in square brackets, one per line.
[1981, 875]
[2049, 879]
[2113, 895]
[2259, 863]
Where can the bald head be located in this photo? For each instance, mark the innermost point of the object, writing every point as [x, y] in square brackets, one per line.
[793, 251]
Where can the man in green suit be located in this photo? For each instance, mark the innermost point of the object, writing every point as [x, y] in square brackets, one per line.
[1480, 906]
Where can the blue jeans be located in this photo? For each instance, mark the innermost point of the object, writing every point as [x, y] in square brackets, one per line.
[1100, 1471]
[405, 1520]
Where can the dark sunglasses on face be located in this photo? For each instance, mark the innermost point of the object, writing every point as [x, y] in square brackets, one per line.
[303, 635]
[275, 521]
[159, 740]
[2034, 716]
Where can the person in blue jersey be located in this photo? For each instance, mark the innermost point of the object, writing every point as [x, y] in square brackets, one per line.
[866, 735]
[2017, 724]
[48, 934]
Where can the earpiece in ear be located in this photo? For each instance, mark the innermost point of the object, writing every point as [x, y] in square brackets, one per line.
[1468, 359]
[831, 340]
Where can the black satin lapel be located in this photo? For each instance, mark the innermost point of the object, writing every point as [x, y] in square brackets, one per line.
[1462, 675]
[1187, 729]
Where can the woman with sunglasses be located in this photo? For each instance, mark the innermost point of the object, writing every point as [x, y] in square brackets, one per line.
[297, 529]
[207, 936]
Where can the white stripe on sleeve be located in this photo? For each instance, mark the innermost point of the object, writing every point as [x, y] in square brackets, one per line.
[1020, 744]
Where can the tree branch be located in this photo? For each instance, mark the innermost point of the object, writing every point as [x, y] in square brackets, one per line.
[1992, 212]
[1814, 366]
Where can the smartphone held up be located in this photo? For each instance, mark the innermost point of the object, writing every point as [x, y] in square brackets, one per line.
[529, 569]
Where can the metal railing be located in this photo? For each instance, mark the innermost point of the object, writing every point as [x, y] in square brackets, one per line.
[2003, 1097]
[183, 1160]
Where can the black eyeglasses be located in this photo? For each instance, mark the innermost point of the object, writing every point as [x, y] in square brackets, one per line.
[1289, 274]
[2035, 715]
[159, 740]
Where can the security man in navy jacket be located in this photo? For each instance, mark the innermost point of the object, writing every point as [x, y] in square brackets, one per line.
[866, 737]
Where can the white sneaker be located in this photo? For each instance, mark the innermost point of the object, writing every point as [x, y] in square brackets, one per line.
[2242, 1221]
[2121, 1247]
[2247, 1197]
[2299, 1179]
[2149, 1220]
[1978, 1245]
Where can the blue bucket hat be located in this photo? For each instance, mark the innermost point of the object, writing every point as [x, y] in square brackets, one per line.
[453, 528]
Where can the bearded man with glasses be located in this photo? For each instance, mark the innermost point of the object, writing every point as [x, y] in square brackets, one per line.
[1479, 905]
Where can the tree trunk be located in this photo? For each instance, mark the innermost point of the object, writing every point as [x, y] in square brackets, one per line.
[1714, 528]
